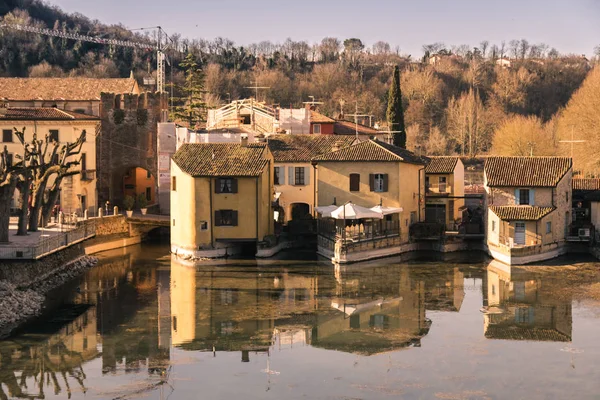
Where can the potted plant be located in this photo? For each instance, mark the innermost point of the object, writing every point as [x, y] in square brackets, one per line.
[129, 202]
[142, 203]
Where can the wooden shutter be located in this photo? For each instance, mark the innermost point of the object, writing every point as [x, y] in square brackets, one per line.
[281, 175]
[372, 182]
[217, 218]
[218, 185]
[532, 197]
[291, 176]
[385, 182]
[306, 176]
[234, 185]
[355, 182]
[83, 162]
[234, 218]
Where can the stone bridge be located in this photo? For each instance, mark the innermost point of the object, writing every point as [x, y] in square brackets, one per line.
[139, 225]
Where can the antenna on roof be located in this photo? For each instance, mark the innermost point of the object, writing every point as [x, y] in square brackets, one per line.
[256, 87]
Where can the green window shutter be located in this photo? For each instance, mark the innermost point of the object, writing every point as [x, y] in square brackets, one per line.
[532, 197]
[517, 196]
[291, 176]
[372, 182]
[234, 218]
[306, 176]
[234, 185]
[385, 182]
[217, 218]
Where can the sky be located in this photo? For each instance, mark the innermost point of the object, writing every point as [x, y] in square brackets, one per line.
[571, 26]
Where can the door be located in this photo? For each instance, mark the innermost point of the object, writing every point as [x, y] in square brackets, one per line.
[435, 213]
[520, 233]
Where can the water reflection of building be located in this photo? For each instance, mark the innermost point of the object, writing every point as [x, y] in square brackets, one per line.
[444, 290]
[522, 306]
[50, 357]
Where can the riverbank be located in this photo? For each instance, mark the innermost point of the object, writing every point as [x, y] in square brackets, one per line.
[24, 284]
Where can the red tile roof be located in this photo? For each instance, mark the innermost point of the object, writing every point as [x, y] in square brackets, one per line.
[521, 213]
[318, 118]
[222, 159]
[441, 165]
[43, 114]
[586, 183]
[350, 128]
[526, 171]
[372, 150]
[302, 148]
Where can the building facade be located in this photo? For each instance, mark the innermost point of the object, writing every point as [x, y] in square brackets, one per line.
[78, 192]
[529, 207]
[445, 191]
[221, 198]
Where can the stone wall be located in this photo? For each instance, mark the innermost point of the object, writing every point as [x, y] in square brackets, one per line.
[111, 225]
[128, 139]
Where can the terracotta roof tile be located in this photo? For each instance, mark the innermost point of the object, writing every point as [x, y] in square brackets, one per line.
[521, 213]
[441, 165]
[512, 332]
[372, 150]
[526, 171]
[43, 113]
[221, 159]
[318, 118]
[586, 184]
[349, 128]
[302, 148]
[64, 88]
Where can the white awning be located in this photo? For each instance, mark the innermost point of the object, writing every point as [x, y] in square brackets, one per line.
[353, 211]
[325, 211]
[387, 210]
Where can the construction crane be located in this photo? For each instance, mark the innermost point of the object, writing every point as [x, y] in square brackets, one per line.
[163, 43]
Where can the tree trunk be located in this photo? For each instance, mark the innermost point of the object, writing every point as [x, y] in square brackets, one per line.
[36, 206]
[6, 192]
[25, 189]
[49, 205]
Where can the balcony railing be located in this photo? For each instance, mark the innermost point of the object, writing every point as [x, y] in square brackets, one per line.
[88, 175]
[359, 232]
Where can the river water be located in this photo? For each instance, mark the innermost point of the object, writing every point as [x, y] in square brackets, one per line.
[140, 325]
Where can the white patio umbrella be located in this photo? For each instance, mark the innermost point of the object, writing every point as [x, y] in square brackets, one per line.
[353, 211]
[325, 211]
[387, 210]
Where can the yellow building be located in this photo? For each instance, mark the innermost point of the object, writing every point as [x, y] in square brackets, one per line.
[529, 207]
[78, 192]
[371, 173]
[294, 179]
[221, 197]
[444, 191]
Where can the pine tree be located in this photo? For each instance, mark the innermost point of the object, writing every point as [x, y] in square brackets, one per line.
[190, 106]
[395, 113]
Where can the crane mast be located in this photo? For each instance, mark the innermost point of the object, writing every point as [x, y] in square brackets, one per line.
[160, 47]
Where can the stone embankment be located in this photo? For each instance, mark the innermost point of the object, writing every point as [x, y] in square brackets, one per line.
[24, 285]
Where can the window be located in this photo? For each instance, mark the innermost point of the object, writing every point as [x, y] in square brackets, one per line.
[79, 110]
[277, 177]
[83, 162]
[7, 135]
[226, 185]
[442, 184]
[317, 128]
[226, 218]
[378, 182]
[148, 193]
[567, 196]
[524, 196]
[427, 184]
[174, 183]
[548, 227]
[203, 225]
[148, 175]
[299, 176]
[54, 135]
[355, 182]
[493, 226]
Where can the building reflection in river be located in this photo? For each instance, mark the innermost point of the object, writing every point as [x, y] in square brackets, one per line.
[522, 306]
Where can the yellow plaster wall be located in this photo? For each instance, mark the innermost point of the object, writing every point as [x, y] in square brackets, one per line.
[291, 194]
[189, 206]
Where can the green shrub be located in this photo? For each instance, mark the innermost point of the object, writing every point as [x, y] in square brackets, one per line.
[128, 202]
[118, 116]
[142, 201]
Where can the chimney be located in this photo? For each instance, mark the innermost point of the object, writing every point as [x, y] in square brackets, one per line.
[337, 145]
[244, 139]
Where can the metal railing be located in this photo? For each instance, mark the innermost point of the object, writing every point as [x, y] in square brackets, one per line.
[358, 232]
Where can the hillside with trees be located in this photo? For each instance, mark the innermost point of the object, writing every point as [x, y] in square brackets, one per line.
[455, 99]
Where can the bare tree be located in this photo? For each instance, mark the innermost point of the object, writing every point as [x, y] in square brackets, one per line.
[502, 49]
[513, 47]
[484, 47]
[8, 182]
[523, 48]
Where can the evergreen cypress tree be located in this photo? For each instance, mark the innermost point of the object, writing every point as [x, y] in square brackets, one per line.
[395, 113]
[190, 106]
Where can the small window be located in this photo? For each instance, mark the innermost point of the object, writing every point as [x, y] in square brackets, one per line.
[54, 135]
[7, 135]
[524, 197]
[442, 184]
[83, 162]
[355, 182]
[379, 183]
[174, 183]
[148, 194]
[299, 176]
[277, 176]
[148, 175]
[317, 128]
[226, 185]
[79, 110]
[548, 227]
[493, 226]
[203, 225]
[226, 218]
